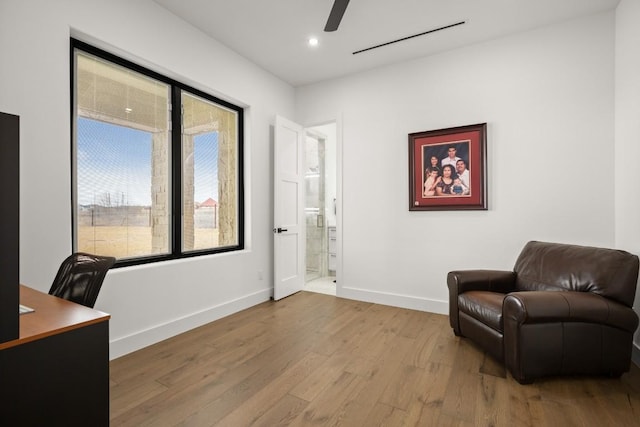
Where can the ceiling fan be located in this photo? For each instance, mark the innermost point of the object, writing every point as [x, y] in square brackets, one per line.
[335, 16]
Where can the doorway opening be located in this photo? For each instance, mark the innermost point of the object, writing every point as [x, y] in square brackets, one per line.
[320, 208]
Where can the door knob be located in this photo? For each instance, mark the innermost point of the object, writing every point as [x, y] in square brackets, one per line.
[279, 230]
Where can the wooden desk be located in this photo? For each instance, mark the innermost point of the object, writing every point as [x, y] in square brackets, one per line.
[57, 371]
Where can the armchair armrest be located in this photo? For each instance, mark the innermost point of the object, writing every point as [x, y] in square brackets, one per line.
[475, 280]
[559, 306]
[565, 332]
[481, 280]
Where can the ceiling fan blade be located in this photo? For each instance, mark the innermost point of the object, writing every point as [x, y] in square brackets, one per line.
[339, 6]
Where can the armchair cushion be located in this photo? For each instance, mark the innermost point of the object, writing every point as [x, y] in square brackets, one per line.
[460, 282]
[483, 305]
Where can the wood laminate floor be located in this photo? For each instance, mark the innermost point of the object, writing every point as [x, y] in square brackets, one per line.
[317, 360]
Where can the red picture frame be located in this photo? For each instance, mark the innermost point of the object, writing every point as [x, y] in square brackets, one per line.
[447, 169]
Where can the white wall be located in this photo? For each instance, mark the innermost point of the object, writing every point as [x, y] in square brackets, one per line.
[151, 302]
[627, 133]
[547, 96]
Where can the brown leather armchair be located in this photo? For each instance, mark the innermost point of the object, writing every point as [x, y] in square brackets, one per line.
[563, 310]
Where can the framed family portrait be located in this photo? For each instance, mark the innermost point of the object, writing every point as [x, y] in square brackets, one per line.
[447, 169]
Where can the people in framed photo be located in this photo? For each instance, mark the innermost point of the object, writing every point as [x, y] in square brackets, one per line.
[447, 169]
[445, 172]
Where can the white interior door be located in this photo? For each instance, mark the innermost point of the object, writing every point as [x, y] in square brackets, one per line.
[288, 216]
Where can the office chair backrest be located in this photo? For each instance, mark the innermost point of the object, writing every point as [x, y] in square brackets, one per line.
[80, 278]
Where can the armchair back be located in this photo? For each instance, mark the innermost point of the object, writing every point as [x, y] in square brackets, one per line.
[610, 273]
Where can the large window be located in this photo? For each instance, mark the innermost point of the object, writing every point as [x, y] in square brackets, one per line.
[157, 164]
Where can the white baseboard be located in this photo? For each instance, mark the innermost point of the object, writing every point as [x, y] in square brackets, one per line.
[395, 300]
[130, 343]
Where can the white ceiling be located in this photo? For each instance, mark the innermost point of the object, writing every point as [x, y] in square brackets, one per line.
[274, 33]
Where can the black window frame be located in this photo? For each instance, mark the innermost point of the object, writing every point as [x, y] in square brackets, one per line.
[175, 173]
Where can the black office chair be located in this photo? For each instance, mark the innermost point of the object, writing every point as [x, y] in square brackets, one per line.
[80, 278]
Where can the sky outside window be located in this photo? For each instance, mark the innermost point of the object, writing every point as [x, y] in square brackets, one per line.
[114, 165]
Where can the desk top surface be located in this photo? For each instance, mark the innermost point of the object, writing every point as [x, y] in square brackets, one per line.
[52, 316]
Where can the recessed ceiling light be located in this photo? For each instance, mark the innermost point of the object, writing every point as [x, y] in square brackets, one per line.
[128, 110]
[313, 41]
